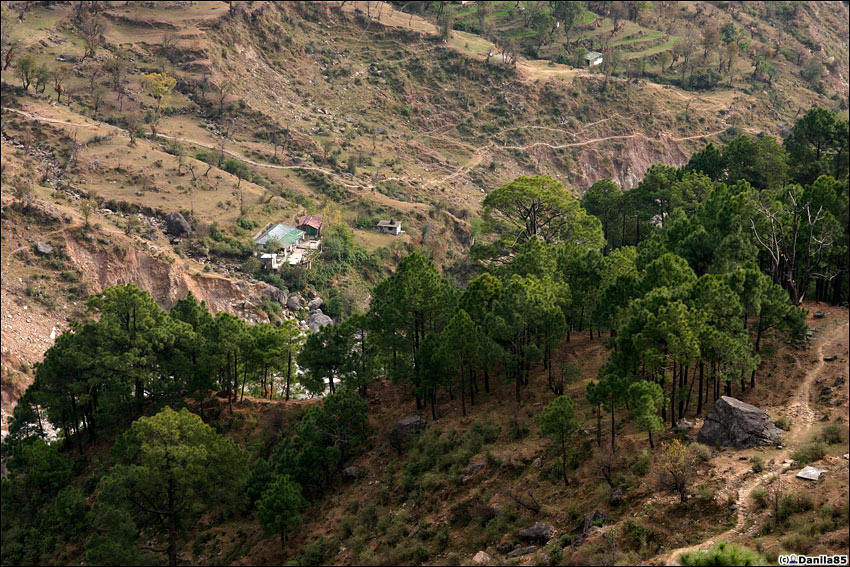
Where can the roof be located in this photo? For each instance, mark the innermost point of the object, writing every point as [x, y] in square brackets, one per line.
[268, 256]
[390, 223]
[283, 232]
[310, 220]
[295, 257]
[591, 55]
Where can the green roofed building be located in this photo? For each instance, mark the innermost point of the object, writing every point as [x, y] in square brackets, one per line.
[287, 236]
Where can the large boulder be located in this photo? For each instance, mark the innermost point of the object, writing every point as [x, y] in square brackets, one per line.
[315, 304]
[318, 320]
[539, 533]
[733, 423]
[294, 302]
[177, 225]
[408, 425]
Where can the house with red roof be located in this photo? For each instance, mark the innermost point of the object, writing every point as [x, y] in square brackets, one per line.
[311, 224]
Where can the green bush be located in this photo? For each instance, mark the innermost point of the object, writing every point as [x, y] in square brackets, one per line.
[702, 452]
[783, 423]
[760, 498]
[832, 434]
[640, 463]
[723, 554]
[790, 504]
[758, 464]
[809, 452]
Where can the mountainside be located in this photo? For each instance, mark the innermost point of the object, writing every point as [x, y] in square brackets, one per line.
[592, 197]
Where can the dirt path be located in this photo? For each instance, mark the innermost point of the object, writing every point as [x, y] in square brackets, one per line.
[799, 405]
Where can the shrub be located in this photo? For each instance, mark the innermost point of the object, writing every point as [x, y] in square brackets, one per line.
[760, 498]
[790, 504]
[758, 464]
[809, 452]
[783, 423]
[702, 452]
[832, 434]
[723, 554]
[640, 463]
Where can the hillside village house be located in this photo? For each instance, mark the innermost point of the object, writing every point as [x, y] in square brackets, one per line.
[311, 225]
[593, 58]
[390, 227]
[287, 236]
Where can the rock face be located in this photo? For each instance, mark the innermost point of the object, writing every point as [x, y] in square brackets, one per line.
[294, 302]
[616, 497]
[539, 533]
[408, 425]
[733, 423]
[177, 225]
[318, 320]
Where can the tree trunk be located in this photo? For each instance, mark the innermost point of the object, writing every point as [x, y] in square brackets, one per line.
[462, 391]
[172, 526]
[564, 461]
[673, 400]
[699, 390]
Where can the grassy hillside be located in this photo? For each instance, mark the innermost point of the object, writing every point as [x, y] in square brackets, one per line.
[361, 111]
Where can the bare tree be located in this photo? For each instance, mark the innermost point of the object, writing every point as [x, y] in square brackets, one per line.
[91, 30]
[224, 89]
[58, 77]
[790, 228]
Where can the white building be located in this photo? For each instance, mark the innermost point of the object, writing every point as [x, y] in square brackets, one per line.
[390, 227]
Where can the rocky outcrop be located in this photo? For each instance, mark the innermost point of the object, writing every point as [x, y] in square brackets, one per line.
[318, 320]
[294, 302]
[177, 225]
[539, 533]
[733, 423]
[408, 425]
[315, 304]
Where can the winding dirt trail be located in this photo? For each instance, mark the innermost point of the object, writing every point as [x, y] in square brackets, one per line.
[798, 405]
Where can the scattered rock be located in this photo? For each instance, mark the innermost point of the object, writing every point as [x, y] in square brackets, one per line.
[616, 497]
[315, 304]
[830, 358]
[538, 463]
[482, 558]
[408, 425]
[520, 551]
[839, 381]
[177, 225]
[43, 247]
[294, 302]
[825, 391]
[810, 473]
[818, 314]
[596, 518]
[539, 533]
[350, 473]
[505, 548]
[318, 320]
[732, 422]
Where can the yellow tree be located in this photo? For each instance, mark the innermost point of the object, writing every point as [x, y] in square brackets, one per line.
[159, 85]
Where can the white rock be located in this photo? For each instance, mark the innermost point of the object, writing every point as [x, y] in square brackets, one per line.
[810, 473]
